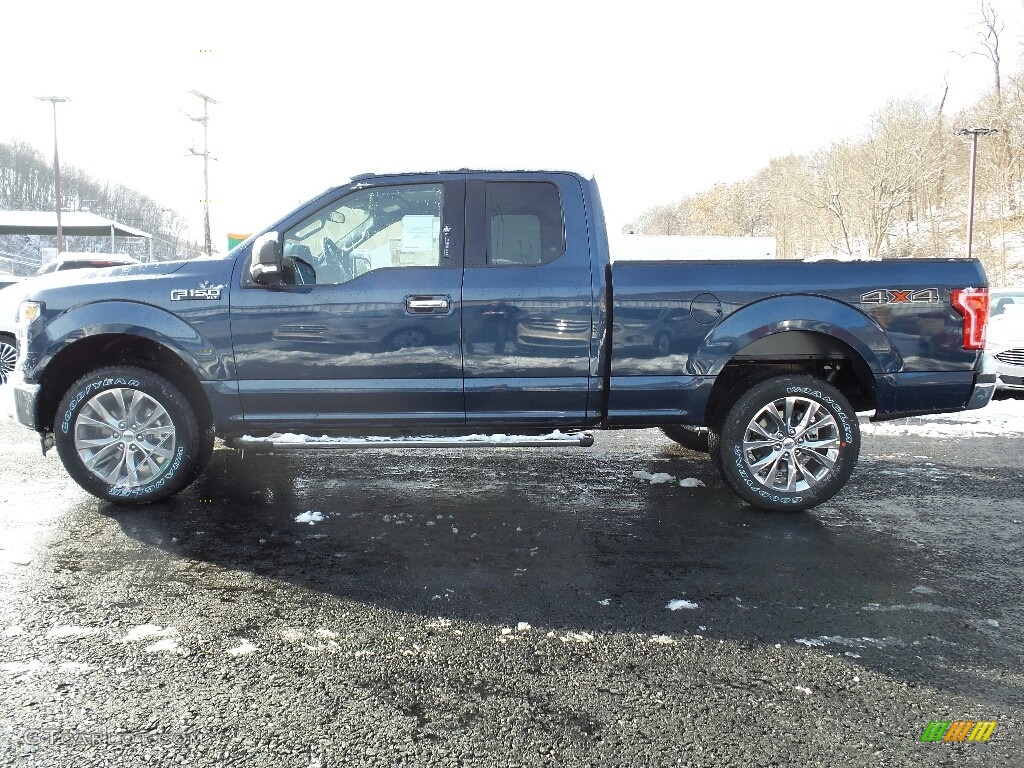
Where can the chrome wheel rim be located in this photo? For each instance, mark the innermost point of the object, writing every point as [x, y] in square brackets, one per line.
[8, 357]
[792, 444]
[124, 437]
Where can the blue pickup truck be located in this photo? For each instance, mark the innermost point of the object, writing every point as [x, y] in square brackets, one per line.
[466, 308]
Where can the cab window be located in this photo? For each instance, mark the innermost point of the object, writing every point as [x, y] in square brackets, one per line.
[369, 229]
[524, 223]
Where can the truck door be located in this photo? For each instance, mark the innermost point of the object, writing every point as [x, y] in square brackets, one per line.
[367, 329]
[528, 305]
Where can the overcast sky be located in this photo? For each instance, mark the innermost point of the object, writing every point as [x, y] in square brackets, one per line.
[658, 99]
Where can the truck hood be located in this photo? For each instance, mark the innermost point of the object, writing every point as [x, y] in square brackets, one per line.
[106, 275]
[148, 283]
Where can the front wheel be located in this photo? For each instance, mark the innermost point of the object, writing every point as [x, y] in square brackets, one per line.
[129, 436]
[8, 356]
[788, 443]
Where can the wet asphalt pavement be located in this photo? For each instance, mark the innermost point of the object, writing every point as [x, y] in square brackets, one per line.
[510, 607]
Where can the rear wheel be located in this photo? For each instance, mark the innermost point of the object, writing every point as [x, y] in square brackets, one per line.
[8, 356]
[691, 438]
[128, 435]
[788, 443]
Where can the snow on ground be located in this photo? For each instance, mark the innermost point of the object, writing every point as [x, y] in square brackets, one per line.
[147, 631]
[167, 645]
[6, 402]
[291, 438]
[675, 605]
[654, 479]
[849, 642]
[1000, 417]
[166, 638]
[244, 649]
[310, 517]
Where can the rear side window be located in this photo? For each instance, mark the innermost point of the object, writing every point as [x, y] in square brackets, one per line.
[524, 223]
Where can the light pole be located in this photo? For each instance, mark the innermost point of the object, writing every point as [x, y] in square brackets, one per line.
[55, 100]
[205, 154]
[974, 133]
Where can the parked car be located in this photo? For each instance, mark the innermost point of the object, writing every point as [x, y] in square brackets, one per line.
[1006, 337]
[507, 277]
[7, 280]
[71, 260]
[14, 290]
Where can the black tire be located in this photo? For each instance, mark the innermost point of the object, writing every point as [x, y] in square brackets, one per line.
[691, 438]
[87, 428]
[8, 356]
[787, 472]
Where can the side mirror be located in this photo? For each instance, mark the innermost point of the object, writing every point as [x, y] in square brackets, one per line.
[266, 260]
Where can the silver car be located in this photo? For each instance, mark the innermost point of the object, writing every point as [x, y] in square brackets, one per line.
[1006, 337]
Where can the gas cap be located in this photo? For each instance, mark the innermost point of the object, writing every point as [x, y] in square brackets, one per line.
[706, 309]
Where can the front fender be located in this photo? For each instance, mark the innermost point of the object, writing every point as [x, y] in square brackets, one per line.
[795, 313]
[131, 319]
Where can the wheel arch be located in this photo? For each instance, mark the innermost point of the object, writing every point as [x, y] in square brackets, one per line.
[795, 334]
[105, 349]
[788, 352]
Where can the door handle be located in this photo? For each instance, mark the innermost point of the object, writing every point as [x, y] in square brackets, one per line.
[428, 304]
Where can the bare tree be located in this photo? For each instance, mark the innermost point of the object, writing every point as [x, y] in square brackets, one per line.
[988, 38]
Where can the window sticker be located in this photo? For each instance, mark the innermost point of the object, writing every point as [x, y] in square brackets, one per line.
[417, 233]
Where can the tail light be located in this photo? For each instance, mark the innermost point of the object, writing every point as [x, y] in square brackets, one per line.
[972, 303]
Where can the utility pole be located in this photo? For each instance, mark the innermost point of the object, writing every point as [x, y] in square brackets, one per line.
[205, 154]
[974, 133]
[54, 101]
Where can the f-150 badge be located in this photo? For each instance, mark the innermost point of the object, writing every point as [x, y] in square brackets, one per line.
[893, 296]
[196, 294]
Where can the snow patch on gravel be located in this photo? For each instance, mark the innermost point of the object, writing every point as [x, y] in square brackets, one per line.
[147, 631]
[310, 517]
[691, 482]
[1000, 417]
[20, 667]
[577, 637]
[655, 479]
[13, 631]
[167, 638]
[74, 667]
[167, 645]
[677, 605]
[662, 640]
[244, 649]
[849, 642]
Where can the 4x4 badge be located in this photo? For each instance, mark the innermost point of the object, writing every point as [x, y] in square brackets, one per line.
[893, 296]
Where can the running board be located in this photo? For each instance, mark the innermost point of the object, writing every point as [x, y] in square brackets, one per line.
[292, 442]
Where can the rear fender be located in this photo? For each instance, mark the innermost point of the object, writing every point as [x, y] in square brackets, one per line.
[795, 313]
